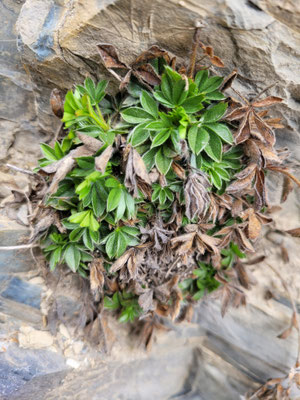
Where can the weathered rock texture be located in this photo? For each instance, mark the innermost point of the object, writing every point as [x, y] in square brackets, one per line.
[211, 358]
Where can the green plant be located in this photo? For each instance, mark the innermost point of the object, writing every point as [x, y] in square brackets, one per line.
[152, 180]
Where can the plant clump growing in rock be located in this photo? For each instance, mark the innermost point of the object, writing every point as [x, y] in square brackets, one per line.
[155, 194]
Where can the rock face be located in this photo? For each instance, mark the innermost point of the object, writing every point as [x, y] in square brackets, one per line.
[55, 41]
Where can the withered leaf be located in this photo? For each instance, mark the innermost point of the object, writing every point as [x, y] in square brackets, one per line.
[97, 278]
[147, 74]
[242, 275]
[254, 227]
[102, 160]
[110, 56]
[215, 60]
[286, 333]
[57, 103]
[260, 190]
[268, 101]
[125, 81]
[286, 188]
[63, 166]
[91, 143]
[176, 301]
[244, 181]
[284, 254]
[243, 241]
[294, 232]
[146, 300]
[121, 261]
[226, 296]
[227, 82]
[179, 171]
[186, 241]
[152, 53]
[140, 167]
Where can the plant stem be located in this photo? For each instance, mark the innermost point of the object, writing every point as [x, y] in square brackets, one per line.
[101, 117]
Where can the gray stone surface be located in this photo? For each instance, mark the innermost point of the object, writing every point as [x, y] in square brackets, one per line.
[212, 358]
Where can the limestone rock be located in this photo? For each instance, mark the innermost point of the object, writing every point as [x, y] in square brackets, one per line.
[30, 338]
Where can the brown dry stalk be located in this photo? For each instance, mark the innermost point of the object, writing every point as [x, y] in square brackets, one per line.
[291, 176]
[285, 285]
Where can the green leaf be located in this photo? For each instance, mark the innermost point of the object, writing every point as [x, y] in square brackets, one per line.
[222, 131]
[121, 244]
[55, 258]
[214, 113]
[58, 150]
[121, 207]
[111, 303]
[97, 203]
[93, 224]
[49, 152]
[160, 138]
[159, 96]
[216, 180]
[76, 234]
[214, 147]
[77, 218]
[112, 182]
[149, 104]
[200, 78]
[110, 246]
[72, 257]
[130, 205]
[90, 87]
[163, 163]
[136, 115]
[198, 138]
[149, 158]
[193, 104]
[113, 198]
[139, 135]
[87, 240]
[216, 95]
[211, 84]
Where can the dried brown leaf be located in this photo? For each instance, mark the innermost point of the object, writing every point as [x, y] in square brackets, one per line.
[284, 254]
[179, 171]
[286, 333]
[91, 143]
[268, 101]
[140, 167]
[146, 300]
[228, 80]
[237, 113]
[102, 160]
[254, 227]
[243, 241]
[147, 74]
[294, 232]
[242, 275]
[57, 103]
[121, 261]
[97, 278]
[286, 189]
[110, 56]
[215, 60]
[152, 53]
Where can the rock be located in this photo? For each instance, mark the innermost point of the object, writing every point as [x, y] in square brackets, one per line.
[18, 113]
[30, 338]
[73, 363]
